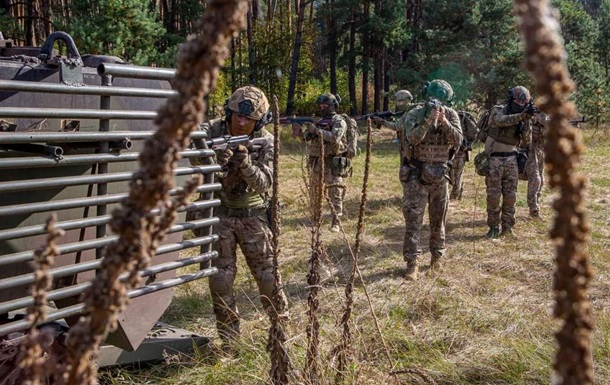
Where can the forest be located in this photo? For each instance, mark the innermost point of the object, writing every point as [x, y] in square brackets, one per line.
[363, 50]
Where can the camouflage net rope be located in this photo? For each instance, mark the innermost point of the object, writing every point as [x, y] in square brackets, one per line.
[546, 60]
[140, 232]
[280, 362]
[36, 343]
[313, 278]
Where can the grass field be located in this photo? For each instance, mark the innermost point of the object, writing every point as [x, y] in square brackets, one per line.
[485, 319]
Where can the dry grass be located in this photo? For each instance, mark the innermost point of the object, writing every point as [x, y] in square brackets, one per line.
[486, 319]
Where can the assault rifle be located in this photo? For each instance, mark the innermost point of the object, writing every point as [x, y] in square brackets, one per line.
[530, 108]
[576, 122]
[231, 142]
[297, 122]
[382, 115]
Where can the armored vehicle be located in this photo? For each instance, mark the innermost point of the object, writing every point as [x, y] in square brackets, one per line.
[71, 128]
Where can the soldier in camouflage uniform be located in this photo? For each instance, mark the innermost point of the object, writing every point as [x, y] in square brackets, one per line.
[469, 129]
[509, 125]
[333, 140]
[431, 132]
[534, 168]
[402, 104]
[246, 180]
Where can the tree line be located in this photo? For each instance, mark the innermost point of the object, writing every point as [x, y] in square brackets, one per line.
[363, 50]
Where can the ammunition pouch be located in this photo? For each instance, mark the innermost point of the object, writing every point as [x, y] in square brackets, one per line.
[341, 166]
[434, 173]
[481, 164]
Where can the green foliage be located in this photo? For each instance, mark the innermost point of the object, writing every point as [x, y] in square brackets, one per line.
[124, 28]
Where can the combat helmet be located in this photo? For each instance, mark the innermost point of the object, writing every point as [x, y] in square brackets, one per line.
[251, 102]
[330, 99]
[438, 89]
[519, 93]
[403, 95]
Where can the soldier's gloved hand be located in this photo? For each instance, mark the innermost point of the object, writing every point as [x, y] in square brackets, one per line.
[442, 119]
[312, 129]
[433, 117]
[223, 156]
[240, 157]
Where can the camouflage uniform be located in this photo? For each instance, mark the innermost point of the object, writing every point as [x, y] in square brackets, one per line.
[506, 131]
[243, 222]
[424, 175]
[534, 168]
[469, 129]
[334, 145]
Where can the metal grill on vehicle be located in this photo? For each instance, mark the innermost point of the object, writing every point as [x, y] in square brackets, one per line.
[71, 149]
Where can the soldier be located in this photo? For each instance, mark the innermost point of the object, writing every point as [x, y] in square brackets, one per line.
[509, 125]
[246, 180]
[534, 168]
[402, 104]
[430, 133]
[333, 140]
[469, 129]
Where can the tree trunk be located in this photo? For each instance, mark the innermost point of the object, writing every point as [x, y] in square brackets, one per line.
[332, 48]
[296, 53]
[251, 51]
[365, 60]
[352, 64]
[386, 80]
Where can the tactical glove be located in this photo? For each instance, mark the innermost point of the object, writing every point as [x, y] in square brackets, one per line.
[223, 156]
[312, 129]
[240, 157]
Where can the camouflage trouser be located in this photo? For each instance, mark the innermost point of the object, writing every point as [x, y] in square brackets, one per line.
[253, 235]
[534, 177]
[415, 197]
[335, 192]
[502, 184]
[457, 171]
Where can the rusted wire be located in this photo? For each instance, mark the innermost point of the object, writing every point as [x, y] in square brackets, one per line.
[546, 58]
[280, 362]
[36, 343]
[313, 278]
[139, 233]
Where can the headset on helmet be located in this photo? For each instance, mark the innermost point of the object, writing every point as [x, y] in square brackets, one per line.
[437, 89]
[251, 102]
[519, 93]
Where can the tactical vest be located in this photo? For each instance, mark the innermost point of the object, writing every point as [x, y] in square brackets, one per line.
[434, 148]
[506, 135]
[330, 149]
[537, 134]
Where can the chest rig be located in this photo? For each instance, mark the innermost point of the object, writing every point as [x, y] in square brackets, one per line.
[434, 148]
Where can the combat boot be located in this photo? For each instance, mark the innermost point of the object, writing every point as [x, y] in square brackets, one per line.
[412, 269]
[435, 264]
[494, 232]
[507, 231]
[334, 228]
[535, 214]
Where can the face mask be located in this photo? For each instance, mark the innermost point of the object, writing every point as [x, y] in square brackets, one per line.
[514, 108]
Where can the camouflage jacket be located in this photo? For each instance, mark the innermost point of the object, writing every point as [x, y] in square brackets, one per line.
[333, 139]
[245, 187]
[507, 131]
[418, 135]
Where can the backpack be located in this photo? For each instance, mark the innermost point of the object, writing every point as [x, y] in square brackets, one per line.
[351, 137]
[483, 126]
